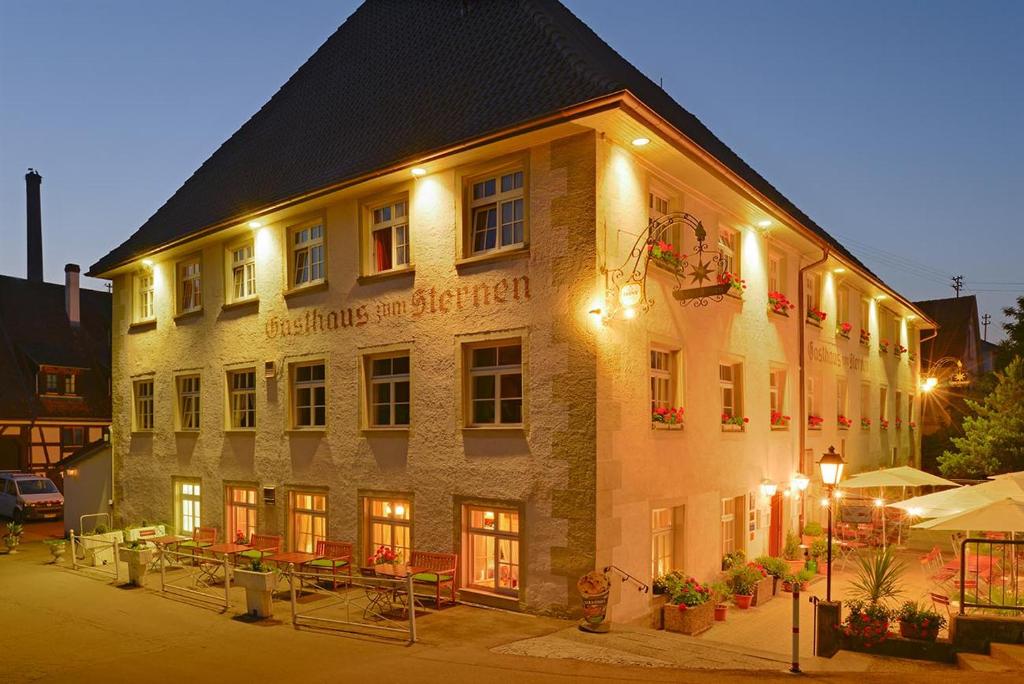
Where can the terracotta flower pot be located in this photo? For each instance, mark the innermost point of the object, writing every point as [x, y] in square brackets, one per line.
[787, 586]
[742, 600]
[721, 610]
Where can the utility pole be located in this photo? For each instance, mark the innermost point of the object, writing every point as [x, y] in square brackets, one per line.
[985, 320]
[958, 284]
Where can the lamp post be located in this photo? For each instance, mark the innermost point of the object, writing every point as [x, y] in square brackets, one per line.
[831, 466]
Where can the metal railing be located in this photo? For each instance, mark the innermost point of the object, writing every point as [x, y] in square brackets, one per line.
[195, 576]
[95, 555]
[990, 575]
[368, 605]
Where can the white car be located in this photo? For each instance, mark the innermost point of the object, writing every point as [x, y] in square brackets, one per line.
[24, 496]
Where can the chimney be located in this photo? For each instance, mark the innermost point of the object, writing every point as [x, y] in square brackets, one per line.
[34, 218]
[71, 302]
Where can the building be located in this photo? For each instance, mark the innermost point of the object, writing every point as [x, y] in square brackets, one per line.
[87, 475]
[407, 314]
[953, 356]
[54, 360]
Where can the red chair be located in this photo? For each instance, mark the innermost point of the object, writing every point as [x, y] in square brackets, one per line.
[438, 571]
[335, 558]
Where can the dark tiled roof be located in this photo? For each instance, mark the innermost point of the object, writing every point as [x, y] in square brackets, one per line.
[85, 452]
[403, 78]
[34, 331]
[957, 318]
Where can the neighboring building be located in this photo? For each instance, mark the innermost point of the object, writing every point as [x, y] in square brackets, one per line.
[88, 486]
[387, 310]
[54, 361]
[989, 354]
[953, 356]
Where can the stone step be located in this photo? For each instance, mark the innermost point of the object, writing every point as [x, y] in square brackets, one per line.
[976, 662]
[1009, 654]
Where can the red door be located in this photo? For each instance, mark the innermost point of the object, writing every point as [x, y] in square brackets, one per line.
[775, 527]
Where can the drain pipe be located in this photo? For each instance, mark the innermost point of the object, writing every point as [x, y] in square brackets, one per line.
[802, 365]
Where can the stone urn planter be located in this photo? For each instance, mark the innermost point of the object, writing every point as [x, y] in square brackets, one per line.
[763, 593]
[138, 561]
[259, 591]
[11, 541]
[689, 620]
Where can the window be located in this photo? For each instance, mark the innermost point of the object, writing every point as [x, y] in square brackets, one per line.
[842, 305]
[776, 273]
[658, 205]
[308, 516]
[389, 523]
[389, 391]
[143, 405]
[497, 212]
[307, 255]
[243, 272]
[240, 513]
[51, 383]
[190, 286]
[910, 410]
[728, 253]
[812, 293]
[865, 314]
[309, 395]
[663, 393]
[188, 402]
[899, 408]
[496, 384]
[187, 502]
[729, 381]
[813, 406]
[728, 526]
[389, 236]
[777, 398]
[242, 398]
[883, 403]
[72, 437]
[661, 541]
[865, 403]
[144, 296]
[493, 540]
[70, 382]
[841, 406]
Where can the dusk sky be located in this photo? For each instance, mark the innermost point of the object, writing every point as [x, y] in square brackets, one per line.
[896, 125]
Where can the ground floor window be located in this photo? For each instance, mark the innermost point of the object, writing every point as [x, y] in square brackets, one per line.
[240, 512]
[187, 501]
[308, 519]
[661, 541]
[492, 535]
[388, 523]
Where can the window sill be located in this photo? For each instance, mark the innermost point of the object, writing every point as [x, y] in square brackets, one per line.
[61, 396]
[187, 315]
[240, 431]
[398, 430]
[305, 289]
[493, 428]
[141, 326]
[306, 431]
[843, 337]
[241, 304]
[496, 255]
[142, 433]
[780, 314]
[780, 428]
[394, 273]
[488, 598]
[187, 433]
[667, 426]
[813, 323]
[814, 428]
[733, 428]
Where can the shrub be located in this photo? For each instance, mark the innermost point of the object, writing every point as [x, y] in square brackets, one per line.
[791, 551]
[690, 593]
[920, 617]
[866, 623]
[878, 577]
[813, 529]
[665, 584]
[776, 567]
[744, 578]
[733, 558]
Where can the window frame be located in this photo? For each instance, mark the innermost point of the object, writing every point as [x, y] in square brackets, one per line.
[295, 385]
[315, 514]
[370, 381]
[778, 259]
[812, 293]
[842, 399]
[735, 385]
[181, 497]
[141, 296]
[249, 507]
[470, 372]
[290, 270]
[729, 252]
[514, 538]
[232, 392]
[660, 190]
[231, 265]
[778, 395]
[387, 520]
[139, 401]
[842, 305]
[519, 162]
[662, 542]
[370, 227]
[181, 277]
[188, 414]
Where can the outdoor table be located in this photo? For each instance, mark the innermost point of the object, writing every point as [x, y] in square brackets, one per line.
[160, 543]
[228, 549]
[296, 558]
[383, 597]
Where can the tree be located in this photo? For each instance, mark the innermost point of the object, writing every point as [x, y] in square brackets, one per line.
[1013, 345]
[993, 440]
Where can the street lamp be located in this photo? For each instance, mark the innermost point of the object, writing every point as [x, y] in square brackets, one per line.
[831, 466]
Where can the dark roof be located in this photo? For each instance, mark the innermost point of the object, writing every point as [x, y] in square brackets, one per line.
[85, 452]
[34, 331]
[401, 79]
[957, 318]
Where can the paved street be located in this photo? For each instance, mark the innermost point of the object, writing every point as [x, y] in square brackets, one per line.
[62, 625]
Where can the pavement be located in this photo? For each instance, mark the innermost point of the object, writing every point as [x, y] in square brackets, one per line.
[62, 625]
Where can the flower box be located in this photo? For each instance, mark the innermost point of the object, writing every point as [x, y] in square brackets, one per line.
[690, 620]
[658, 602]
[865, 337]
[814, 422]
[911, 630]
[843, 330]
[764, 591]
[259, 588]
[138, 561]
[736, 284]
[667, 418]
[779, 304]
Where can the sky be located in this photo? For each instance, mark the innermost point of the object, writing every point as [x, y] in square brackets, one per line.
[895, 125]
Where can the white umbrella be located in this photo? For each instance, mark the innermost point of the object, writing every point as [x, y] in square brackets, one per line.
[1005, 515]
[942, 503]
[902, 476]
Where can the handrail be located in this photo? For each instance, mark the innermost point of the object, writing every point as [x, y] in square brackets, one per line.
[626, 577]
[1015, 558]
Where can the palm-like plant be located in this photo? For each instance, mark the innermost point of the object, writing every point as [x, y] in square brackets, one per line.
[878, 577]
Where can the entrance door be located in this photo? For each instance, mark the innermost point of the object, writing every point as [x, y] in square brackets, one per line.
[775, 527]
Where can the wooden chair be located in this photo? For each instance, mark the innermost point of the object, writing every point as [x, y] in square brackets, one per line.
[262, 545]
[438, 571]
[201, 538]
[336, 558]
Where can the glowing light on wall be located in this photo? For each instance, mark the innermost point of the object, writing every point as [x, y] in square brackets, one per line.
[418, 171]
[255, 224]
[640, 142]
[629, 295]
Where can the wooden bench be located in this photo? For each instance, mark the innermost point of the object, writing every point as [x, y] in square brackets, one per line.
[201, 538]
[335, 558]
[437, 570]
[262, 545]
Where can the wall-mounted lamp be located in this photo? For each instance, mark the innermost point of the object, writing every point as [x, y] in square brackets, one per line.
[255, 224]
[768, 488]
[800, 482]
[640, 142]
[418, 171]
[148, 263]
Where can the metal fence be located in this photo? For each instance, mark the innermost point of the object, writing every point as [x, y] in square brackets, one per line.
[194, 576]
[369, 605]
[990, 575]
[94, 554]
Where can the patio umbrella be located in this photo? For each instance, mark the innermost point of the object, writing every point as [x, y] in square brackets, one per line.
[943, 503]
[1005, 515]
[901, 476]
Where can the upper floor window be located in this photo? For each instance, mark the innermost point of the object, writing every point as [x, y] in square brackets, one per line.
[51, 383]
[496, 383]
[659, 203]
[143, 293]
[309, 395]
[728, 252]
[883, 405]
[730, 377]
[776, 275]
[865, 314]
[661, 380]
[242, 398]
[70, 383]
[307, 255]
[389, 236]
[842, 305]
[812, 293]
[389, 390]
[143, 405]
[190, 285]
[188, 402]
[777, 398]
[865, 405]
[497, 212]
[813, 406]
[842, 410]
[243, 271]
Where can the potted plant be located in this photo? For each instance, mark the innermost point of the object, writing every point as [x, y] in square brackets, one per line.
[57, 548]
[844, 422]
[721, 593]
[763, 589]
[736, 284]
[865, 423]
[812, 531]
[733, 558]
[804, 578]
[733, 423]
[883, 423]
[779, 303]
[98, 545]
[865, 337]
[878, 577]
[384, 559]
[667, 417]
[775, 567]
[662, 254]
[13, 536]
[819, 552]
[791, 553]
[816, 316]
[661, 589]
[258, 581]
[779, 420]
[883, 346]
[866, 624]
[743, 581]
[844, 330]
[900, 349]
[788, 581]
[138, 555]
[689, 609]
[815, 422]
[917, 622]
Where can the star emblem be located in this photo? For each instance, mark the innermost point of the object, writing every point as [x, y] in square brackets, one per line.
[699, 272]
